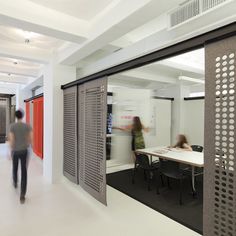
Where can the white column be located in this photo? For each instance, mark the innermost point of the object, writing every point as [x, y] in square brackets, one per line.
[21, 95]
[54, 77]
[19, 98]
[178, 92]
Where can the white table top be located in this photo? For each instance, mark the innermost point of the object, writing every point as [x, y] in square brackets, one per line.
[187, 157]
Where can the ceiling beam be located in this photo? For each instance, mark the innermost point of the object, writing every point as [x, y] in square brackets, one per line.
[15, 80]
[30, 16]
[124, 17]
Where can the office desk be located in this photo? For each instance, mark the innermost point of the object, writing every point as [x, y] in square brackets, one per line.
[194, 159]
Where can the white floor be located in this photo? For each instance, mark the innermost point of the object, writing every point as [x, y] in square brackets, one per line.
[66, 210]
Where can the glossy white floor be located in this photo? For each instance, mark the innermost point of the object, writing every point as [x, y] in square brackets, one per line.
[66, 210]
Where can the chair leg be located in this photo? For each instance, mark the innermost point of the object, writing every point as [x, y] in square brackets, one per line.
[145, 175]
[180, 192]
[162, 181]
[168, 182]
[158, 184]
[194, 193]
[133, 175]
[149, 180]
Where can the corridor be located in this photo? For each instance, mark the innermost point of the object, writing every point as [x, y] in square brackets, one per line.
[63, 209]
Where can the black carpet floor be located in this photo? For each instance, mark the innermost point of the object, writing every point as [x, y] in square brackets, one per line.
[190, 214]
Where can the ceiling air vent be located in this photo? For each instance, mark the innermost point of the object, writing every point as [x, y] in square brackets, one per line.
[192, 8]
[208, 4]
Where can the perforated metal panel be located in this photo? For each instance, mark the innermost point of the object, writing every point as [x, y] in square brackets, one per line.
[220, 136]
[70, 134]
[92, 137]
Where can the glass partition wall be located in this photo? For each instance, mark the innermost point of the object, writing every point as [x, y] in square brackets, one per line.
[150, 109]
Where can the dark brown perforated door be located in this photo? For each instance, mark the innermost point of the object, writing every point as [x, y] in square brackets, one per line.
[92, 137]
[70, 134]
[220, 136]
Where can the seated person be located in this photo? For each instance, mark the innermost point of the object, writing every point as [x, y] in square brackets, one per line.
[182, 143]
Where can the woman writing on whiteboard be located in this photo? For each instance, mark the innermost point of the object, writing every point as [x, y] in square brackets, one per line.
[136, 129]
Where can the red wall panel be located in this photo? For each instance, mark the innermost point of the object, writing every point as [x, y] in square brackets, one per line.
[38, 127]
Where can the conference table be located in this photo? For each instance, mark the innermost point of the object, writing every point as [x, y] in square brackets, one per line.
[191, 158]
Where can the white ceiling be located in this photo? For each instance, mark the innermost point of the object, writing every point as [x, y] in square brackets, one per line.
[13, 69]
[5, 61]
[195, 59]
[10, 35]
[82, 9]
[88, 33]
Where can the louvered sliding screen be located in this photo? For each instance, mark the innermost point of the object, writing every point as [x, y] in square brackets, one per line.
[92, 137]
[220, 137]
[70, 134]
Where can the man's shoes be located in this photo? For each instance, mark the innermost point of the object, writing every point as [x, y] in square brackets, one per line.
[22, 199]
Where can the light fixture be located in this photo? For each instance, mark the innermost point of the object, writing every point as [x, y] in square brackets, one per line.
[27, 35]
[27, 41]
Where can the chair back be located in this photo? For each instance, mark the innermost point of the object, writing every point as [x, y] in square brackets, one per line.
[170, 168]
[197, 148]
[142, 160]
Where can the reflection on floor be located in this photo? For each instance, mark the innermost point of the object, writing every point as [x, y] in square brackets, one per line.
[115, 166]
[65, 209]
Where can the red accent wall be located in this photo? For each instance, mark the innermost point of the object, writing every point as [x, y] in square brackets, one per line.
[27, 112]
[38, 127]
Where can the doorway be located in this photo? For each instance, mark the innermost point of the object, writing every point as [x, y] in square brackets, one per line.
[168, 98]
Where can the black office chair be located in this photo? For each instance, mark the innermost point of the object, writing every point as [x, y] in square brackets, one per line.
[142, 162]
[172, 170]
[197, 148]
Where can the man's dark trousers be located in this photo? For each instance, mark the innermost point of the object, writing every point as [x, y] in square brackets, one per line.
[22, 157]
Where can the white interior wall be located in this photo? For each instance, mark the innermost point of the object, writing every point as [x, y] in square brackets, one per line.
[38, 91]
[187, 116]
[194, 121]
[178, 92]
[21, 95]
[160, 133]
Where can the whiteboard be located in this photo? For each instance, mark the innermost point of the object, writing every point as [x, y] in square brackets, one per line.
[154, 114]
[194, 121]
[162, 128]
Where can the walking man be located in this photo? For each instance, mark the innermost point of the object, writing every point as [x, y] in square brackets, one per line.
[20, 138]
